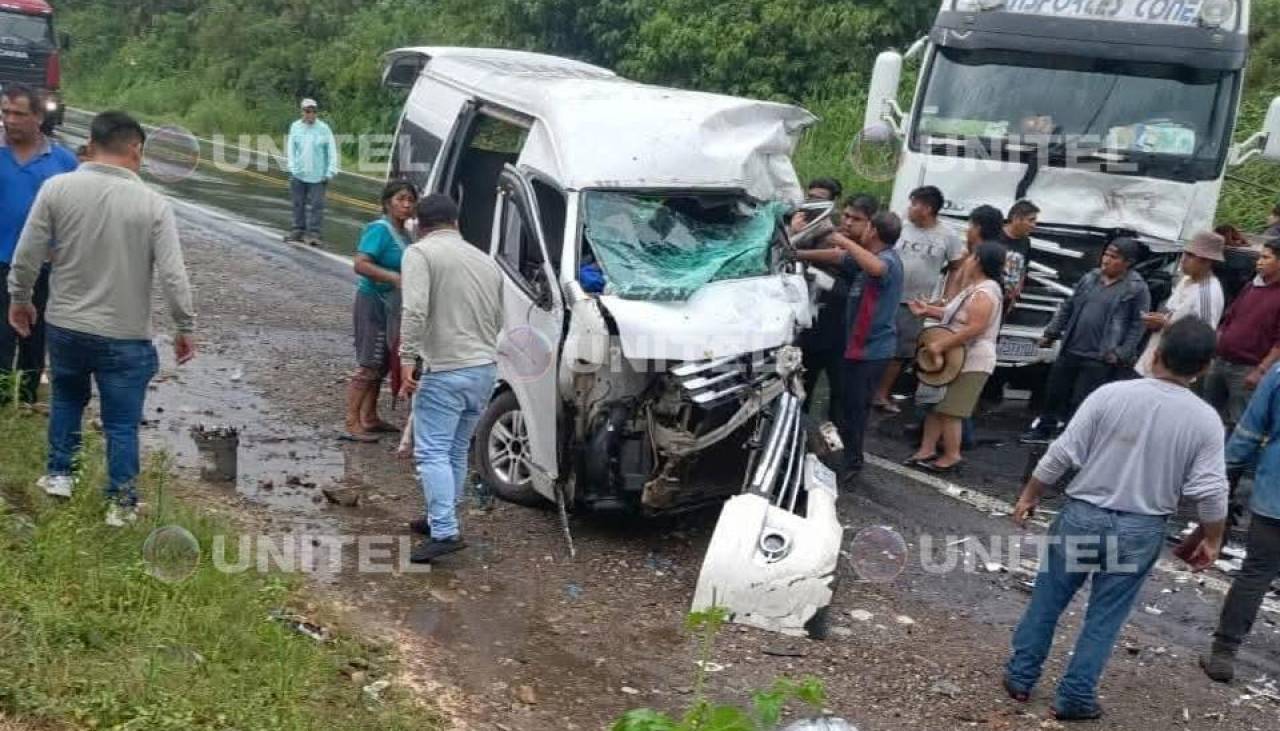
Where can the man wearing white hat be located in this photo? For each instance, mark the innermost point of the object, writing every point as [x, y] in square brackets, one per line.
[313, 161]
[1197, 294]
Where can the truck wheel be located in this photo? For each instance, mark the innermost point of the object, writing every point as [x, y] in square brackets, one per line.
[502, 452]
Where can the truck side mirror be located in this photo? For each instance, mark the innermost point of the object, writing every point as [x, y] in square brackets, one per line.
[64, 41]
[1271, 128]
[883, 96]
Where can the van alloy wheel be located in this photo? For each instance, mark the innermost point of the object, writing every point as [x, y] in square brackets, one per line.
[501, 453]
[509, 449]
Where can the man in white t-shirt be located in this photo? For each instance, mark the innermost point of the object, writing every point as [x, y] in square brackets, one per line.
[1197, 294]
[929, 249]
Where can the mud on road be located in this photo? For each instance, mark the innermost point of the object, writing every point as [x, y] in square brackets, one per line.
[513, 634]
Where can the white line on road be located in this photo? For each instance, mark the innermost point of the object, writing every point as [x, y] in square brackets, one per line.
[997, 507]
[255, 228]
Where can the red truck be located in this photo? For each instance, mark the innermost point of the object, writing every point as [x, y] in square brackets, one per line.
[29, 52]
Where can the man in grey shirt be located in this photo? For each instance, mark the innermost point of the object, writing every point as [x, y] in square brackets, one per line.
[451, 319]
[107, 235]
[1140, 446]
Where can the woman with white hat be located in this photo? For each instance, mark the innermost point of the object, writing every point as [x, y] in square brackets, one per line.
[959, 355]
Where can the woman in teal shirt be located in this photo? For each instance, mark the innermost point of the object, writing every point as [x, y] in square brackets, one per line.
[376, 314]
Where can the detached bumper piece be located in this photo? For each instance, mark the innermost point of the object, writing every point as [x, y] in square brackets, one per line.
[772, 559]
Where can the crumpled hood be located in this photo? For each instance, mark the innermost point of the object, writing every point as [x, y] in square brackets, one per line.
[1156, 209]
[720, 319]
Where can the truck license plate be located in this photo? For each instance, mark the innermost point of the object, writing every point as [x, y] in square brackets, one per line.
[1016, 347]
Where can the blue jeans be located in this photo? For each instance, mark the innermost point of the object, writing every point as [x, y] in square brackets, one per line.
[308, 206]
[446, 410]
[1117, 550]
[122, 369]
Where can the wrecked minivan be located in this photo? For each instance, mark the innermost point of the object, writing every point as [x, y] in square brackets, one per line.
[649, 301]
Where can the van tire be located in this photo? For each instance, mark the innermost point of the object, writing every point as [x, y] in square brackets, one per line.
[503, 417]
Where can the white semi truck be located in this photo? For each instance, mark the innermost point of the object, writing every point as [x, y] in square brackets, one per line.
[1113, 116]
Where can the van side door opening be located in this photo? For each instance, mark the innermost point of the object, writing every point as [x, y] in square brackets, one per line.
[483, 144]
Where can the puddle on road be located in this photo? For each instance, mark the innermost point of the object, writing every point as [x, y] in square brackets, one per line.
[279, 466]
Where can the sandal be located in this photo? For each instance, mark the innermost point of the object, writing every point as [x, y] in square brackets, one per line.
[359, 438]
[887, 407]
[951, 469]
[382, 427]
[914, 461]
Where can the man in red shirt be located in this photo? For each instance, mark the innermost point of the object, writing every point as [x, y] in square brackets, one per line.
[1248, 339]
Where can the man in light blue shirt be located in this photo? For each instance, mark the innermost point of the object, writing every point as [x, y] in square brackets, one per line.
[1255, 443]
[313, 162]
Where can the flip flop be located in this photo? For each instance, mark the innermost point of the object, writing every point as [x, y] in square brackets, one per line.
[914, 461]
[347, 436]
[888, 407]
[382, 427]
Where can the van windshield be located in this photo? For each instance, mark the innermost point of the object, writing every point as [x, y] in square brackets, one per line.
[18, 29]
[666, 247]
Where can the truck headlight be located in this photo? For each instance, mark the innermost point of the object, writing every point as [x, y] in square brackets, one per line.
[1217, 13]
[51, 105]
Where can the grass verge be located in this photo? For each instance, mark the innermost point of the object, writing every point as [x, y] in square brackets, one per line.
[90, 638]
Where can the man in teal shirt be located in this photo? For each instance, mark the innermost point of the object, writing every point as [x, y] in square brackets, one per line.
[313, 162]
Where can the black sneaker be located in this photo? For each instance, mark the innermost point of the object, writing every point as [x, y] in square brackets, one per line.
[431, 549]
[420, 526]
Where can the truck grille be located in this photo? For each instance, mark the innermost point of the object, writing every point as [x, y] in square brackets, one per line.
[29, 70]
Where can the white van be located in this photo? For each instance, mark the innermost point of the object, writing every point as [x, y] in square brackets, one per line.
[647, 295]
[647, 362]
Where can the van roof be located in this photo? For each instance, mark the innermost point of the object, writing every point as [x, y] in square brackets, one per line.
[595, 129]
[30, 7]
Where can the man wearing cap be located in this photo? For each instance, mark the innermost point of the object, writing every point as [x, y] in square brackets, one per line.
[313, 161]
[1100, 326]
[1248, 339]
[1197, 294]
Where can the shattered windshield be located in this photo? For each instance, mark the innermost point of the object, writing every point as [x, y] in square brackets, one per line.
[666, 247]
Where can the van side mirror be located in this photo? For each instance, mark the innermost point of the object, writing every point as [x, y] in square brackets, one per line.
[1271, 128]
[882, 99]
[64, 41]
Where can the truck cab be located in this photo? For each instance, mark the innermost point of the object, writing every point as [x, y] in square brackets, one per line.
[29, 53]
[1115, 117]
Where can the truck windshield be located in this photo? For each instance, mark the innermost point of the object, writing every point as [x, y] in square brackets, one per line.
[1157, 120]
[17, 29]
[665, 247]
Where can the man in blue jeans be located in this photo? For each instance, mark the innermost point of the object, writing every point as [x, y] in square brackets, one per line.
[1140, 446]
[451, 318]
[114, 235]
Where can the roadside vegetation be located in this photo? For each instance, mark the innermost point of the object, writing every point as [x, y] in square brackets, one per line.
[239, 66]
[90, 638]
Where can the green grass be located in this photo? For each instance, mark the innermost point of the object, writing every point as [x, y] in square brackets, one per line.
[89, 639]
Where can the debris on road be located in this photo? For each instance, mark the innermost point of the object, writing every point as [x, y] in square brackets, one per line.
[861, 615]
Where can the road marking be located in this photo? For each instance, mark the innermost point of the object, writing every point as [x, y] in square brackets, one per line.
[268, 233]
[987, 504]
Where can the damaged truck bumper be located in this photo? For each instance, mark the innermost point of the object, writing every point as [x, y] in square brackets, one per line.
[772, 559]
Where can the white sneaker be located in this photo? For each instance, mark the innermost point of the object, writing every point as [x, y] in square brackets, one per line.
[56, 485]
[119, 516]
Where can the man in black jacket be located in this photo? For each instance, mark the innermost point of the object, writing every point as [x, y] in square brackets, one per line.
[1100, 326]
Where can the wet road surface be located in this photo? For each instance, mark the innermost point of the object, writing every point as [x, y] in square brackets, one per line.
[527, 638]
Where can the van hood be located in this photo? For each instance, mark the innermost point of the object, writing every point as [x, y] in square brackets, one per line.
[1162, 212]
[723, 318]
